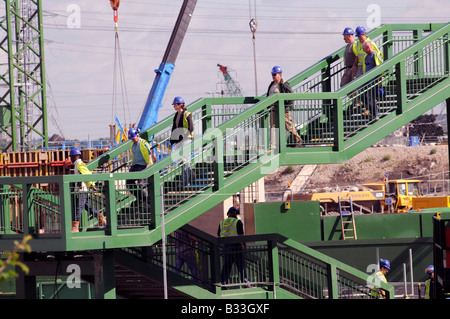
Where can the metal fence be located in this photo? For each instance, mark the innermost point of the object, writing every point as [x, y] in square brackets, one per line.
[315, 117]
[260, 261]
[231, 134]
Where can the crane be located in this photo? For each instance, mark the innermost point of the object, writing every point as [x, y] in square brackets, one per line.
[232, 86]
[154, 100]
[151, 108]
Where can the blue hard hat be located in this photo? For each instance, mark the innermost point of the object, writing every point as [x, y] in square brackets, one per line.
[429, 269]
[233, 210]
[385, 263]
[132, 133]
[74, 151]
[348, 31]
[276, 69]
[178, 100]
[360, 31]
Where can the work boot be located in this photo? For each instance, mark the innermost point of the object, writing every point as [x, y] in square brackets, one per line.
[101, 220]
[75, 225]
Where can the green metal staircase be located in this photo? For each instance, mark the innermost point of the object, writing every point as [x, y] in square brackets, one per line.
[276, 267]
[234, 146]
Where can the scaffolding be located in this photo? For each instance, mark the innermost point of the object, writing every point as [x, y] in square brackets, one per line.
[22, 82]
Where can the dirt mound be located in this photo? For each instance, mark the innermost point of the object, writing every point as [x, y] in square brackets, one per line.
[368, 166]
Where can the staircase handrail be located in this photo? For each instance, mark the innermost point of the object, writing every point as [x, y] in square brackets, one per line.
[272, 251]
[197, 105]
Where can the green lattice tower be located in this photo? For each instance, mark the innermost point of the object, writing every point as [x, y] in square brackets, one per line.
[23, 110]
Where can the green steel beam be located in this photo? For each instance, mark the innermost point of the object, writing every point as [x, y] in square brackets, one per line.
[341, 149]
[409, 105]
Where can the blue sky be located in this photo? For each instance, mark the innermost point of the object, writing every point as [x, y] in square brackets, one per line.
[80, 53]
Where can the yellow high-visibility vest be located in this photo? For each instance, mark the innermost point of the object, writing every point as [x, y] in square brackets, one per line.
[376, 292]
[145, 152]
[427, 288]
[186, 124]
[359, 52]
[228, 227]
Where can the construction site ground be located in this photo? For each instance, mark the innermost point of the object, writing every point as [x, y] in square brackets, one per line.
[422, 162]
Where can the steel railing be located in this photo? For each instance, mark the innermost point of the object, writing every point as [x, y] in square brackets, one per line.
[232, 136]
[269, 262]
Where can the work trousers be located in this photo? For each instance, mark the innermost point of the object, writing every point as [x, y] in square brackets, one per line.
[233, 254]
[289, 124]
[137, 189]
[370, 98]
[82, 201]
[187, 256]
[348, 76]
[184, 161]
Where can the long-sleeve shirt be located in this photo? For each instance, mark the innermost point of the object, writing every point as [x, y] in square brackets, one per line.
[182, 127]
[81, 168]
[282, 87]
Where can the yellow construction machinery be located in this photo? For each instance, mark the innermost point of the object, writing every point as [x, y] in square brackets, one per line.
[387, 196]
[398, 194]
[364, 201]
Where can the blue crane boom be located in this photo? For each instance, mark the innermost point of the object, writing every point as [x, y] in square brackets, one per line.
[150, 113]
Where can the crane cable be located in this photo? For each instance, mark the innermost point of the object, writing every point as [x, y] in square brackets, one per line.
[119, 82]
[119, 79]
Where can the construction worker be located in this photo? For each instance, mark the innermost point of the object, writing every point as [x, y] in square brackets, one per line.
[186, 252]
[380, 276]
[429, 283]
[360, 33]
[142, 154]
[142, 158]
[182, 135]
[81, 192]
[349, 57]
[372, 88]
[278, 85]
[232, 252]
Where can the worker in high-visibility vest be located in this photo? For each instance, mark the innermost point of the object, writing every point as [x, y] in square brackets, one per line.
[142, 154]
[181, 136]
[429, 283]
[360, 33]
[142, 158]
[233, 253]
[380, 276]
[373, 89]
[187, 253]
[81, 192]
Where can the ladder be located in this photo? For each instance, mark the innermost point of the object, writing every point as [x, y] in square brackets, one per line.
[346, 210]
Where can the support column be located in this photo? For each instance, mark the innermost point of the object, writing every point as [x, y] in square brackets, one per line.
[332, 282]
[448, 122]
[338, 128]
[104, 275]
[25, 286]
[274, 274]
[400, 73]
